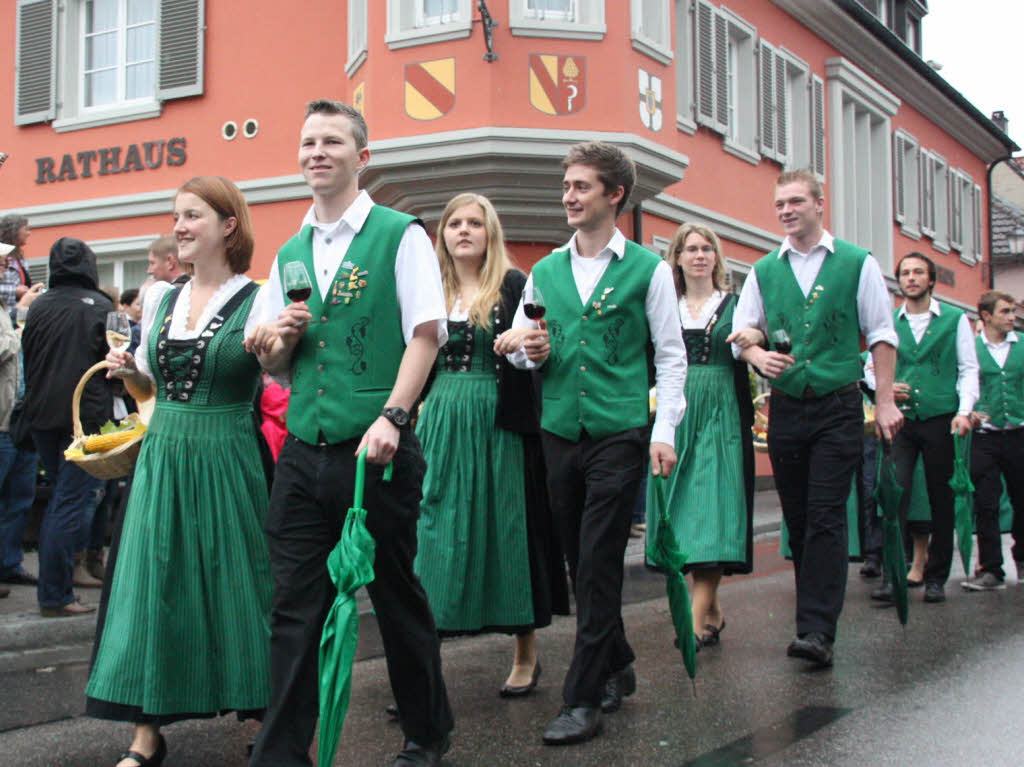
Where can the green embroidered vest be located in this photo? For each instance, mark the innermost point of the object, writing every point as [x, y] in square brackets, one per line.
[929, 368]
[596, 377]
[1002, 388]
[823, 326]
[345, 364]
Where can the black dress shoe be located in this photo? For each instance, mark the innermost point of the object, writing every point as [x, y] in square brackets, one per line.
[428, 755]
[620, 685]
[20, 578]
[518, 691]
[883, 593]
[815, 647]
[573, 725]
[871, 568]
[152, 761]
[934, 592]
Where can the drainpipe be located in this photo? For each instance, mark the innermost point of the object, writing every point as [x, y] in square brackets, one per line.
[638, 225]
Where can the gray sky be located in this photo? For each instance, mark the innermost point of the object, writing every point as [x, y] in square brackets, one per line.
[980, 46]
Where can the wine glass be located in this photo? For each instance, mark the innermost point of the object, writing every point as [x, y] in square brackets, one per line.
[781, 341]
[297, 284]
[533, 303]
[119, 333]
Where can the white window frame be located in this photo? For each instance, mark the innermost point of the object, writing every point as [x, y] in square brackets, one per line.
[684, 67]
[939, 171]
[906, 177]
[407, 26]
[358, 26]
[726, 79]
[58, 97]
[963, 215]
[651, 30]
[955, 205]
[860, 115]
[785, 118]
[121, 66]
[585, 21]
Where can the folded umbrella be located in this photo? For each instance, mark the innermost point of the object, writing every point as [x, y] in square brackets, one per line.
[350, 565]
[889, 493]
[663, 552]
[963, 499]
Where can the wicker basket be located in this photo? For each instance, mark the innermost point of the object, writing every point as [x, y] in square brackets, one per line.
[760, 419]
[113, 463]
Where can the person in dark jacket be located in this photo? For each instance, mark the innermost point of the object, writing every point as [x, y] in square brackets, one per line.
[64, 336]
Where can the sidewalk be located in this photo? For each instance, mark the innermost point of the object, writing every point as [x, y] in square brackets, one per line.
[23, 630]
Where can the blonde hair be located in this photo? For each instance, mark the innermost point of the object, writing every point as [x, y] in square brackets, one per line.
[493, 270]
[719, 274]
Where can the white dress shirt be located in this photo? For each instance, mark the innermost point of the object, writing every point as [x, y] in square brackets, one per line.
[967, 387]
[874, 307]
[417, 274]
[1000, 352]
[662, 322]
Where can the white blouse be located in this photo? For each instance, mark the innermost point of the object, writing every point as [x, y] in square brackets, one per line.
[701, 320]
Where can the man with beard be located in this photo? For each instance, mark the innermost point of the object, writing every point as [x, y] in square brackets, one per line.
[936, 386]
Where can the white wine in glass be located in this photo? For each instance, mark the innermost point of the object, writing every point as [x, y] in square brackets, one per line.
[119, 331]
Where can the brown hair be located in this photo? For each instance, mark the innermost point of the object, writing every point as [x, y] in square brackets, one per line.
[801, 176]
[987, 300]
[493, 270]
[614, 167]
[227, 200]
[719, 275]
[360, 133]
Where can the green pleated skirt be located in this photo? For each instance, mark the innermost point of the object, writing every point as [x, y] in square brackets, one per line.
[473, 559]
[706, 495]
[187, 626]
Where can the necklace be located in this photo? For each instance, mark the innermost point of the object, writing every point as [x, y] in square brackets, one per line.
[695, 309]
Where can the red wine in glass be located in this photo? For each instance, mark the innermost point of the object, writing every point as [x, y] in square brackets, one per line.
[297, 285]
[782, 342]
[300, 294]
[534, 311]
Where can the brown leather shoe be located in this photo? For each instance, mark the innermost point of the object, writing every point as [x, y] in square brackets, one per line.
[70, 610]
[81, 577]
[94, 564]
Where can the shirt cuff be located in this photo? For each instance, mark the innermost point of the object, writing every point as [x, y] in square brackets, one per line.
[662, 431]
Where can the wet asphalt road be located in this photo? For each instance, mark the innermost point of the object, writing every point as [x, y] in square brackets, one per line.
[944, 691]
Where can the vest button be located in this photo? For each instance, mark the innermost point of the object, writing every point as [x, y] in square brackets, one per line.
[584, 318]
[320, 368]
[323, 319]
[583, 368]
[582, 342]
[323, 344]
[807, 324]
[583, 394]
[319, 392]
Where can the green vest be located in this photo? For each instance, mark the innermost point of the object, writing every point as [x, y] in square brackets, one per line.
[596, 377]
[1002, 388]
[823, 326]
[929, 368]
[345, 364]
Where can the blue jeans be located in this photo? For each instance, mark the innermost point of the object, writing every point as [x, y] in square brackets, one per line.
[61, 533]
[17, 491]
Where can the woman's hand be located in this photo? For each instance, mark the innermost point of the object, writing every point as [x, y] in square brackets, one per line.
[511, 340]
[746, 337]
[121, 364]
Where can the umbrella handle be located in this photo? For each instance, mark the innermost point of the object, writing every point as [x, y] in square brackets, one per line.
[357, 495]
[659, 493]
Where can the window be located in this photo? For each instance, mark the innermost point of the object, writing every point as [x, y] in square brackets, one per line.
[726, 79]
[791, 122]
[934, 199]
[905, 183]
[357, 22]
[573, 19]
[684, 68]
[861, 170]
[978, 230]
[964, 216]
[651, 29]
[418, 22]
[119, 59]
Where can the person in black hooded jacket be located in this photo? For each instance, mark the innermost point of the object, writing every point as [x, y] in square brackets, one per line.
[64, 336]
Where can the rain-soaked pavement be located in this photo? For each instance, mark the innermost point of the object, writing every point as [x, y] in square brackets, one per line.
[946, 690]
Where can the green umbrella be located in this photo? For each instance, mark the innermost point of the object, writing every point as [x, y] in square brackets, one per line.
[963, 494]
[350, 565]
[663, 553]
[889, 493]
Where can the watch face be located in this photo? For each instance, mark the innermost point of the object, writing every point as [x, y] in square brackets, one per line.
[396, 415]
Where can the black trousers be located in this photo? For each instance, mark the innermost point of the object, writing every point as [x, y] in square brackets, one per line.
[593, 485]
[995, 456]
[815, 447]
[312, 493]
[932, 441]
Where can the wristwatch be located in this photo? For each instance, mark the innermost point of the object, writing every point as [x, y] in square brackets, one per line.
[396, 415]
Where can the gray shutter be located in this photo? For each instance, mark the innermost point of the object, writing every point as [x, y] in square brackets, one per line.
[978, 223]
[705, 80]
[818, 125]
[182, 26]
[38, 271]
[898, 178]
[35, 71]
[953, 196]
[782, 110]
[768, 99]
[722, 73]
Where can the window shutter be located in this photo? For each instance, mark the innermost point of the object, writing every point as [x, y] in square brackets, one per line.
[36, 62]
[898, 175]
[927, 187]
[356, 28]
[818, 125]
[782, 110]
[955, 221]
[705, 46]
[181, 48]
[39, 271]
[978, 223]
[767, 100]
[722, 73]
